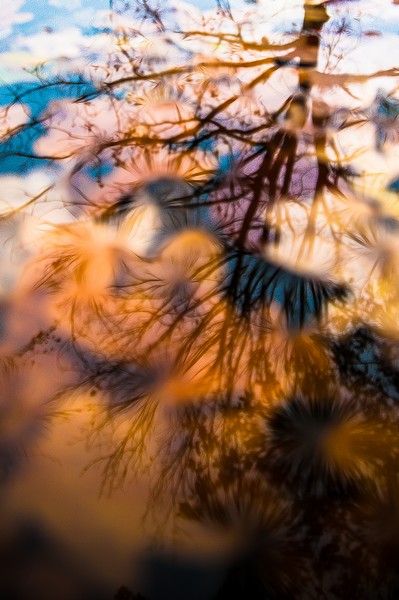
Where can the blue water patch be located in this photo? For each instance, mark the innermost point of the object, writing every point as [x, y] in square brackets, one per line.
[99, 170]
[394, 186]
[16, 154]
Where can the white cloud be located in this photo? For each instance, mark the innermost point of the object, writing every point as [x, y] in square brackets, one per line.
[10, 15]
[12, 117]
[45, 46]
[70, 5]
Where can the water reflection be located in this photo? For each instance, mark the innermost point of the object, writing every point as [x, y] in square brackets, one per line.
[200, 347]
